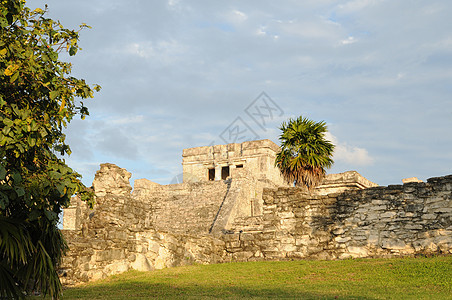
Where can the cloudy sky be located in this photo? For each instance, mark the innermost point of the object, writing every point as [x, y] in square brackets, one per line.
[177, 74]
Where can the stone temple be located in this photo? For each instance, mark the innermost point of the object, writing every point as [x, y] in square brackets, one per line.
[233, 205]
[257, 158]
[220, 162]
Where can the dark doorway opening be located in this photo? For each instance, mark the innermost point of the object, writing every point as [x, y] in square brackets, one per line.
[211, 174]
[224, 172]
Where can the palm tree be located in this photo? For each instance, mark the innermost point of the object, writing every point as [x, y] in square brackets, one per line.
[30, 252]
[305, 153]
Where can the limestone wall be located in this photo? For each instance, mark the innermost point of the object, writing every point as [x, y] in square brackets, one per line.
[182, 208]
[245, 218]
[122, 232]
[409, 219]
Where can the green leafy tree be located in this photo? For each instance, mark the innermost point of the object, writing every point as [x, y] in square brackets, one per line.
[305, 153]
[37, 101]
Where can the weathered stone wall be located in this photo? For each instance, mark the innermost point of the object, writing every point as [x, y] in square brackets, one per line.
[182, 208]
[256, 157]
[414, 218]
[242, 219]
[341, 182]
[113, 250]
[120, 234]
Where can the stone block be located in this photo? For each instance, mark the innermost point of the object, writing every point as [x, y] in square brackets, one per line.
[433, 200]
[358, 251]
[141, 263]
[373, 239]
[393, 244]
[372, 215]
[379, 207]
[296, 255]
[233, 244]
[444, 210]
[447, 240]
[378, 202]
[94, 275]
[428, 216]
[359, 237]
[341, 239]
[288, 247]
[302, 241]
[412, 226]
[388, 214]
[338, 231]
[273, 254]
[288, 240]
[285, 215]
[108, 255]
[288, 224]
[242, 256]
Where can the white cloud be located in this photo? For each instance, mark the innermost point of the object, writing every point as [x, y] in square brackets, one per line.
[261, 31]
[354, 156]
[163, 51]
[128, 120]
[240, 16]
[313, 28]
[349, 40]
[356, 5]
[173, 2]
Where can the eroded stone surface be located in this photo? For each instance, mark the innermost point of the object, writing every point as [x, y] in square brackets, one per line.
[247, 219]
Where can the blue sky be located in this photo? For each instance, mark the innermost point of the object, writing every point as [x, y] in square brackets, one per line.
[178, 74]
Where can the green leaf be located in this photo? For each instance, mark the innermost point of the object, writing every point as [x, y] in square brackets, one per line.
[6, 130]
[72, 51]
[4, 201]
[55, 175]
[14, 77]
[43, 132]
[34, 215]
[31, 141]
[2, 172]
[8, 122]
[51, 216]
[54, 94]
[20, 191]
[3, 21]
[16, 177]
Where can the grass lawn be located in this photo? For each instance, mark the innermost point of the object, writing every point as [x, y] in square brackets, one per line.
[407, 278]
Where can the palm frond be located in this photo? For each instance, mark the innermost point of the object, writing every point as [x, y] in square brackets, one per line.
[30, 252]
[9, 289]
[305, 153]
[15, 242]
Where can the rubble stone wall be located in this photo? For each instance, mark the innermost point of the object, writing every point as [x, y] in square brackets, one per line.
[120, 233]
[400, 220]
[164, 226]
[182, 208]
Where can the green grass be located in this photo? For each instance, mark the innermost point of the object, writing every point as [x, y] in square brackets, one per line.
[407, 278]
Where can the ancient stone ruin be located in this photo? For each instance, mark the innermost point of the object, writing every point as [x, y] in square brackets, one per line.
[234, 206]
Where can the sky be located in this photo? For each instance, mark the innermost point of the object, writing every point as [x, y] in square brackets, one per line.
[177, 74]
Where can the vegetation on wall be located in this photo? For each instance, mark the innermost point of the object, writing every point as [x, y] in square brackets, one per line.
[37, 101]
[305, 153]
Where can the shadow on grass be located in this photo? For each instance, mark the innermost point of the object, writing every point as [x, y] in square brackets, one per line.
[142, 290]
